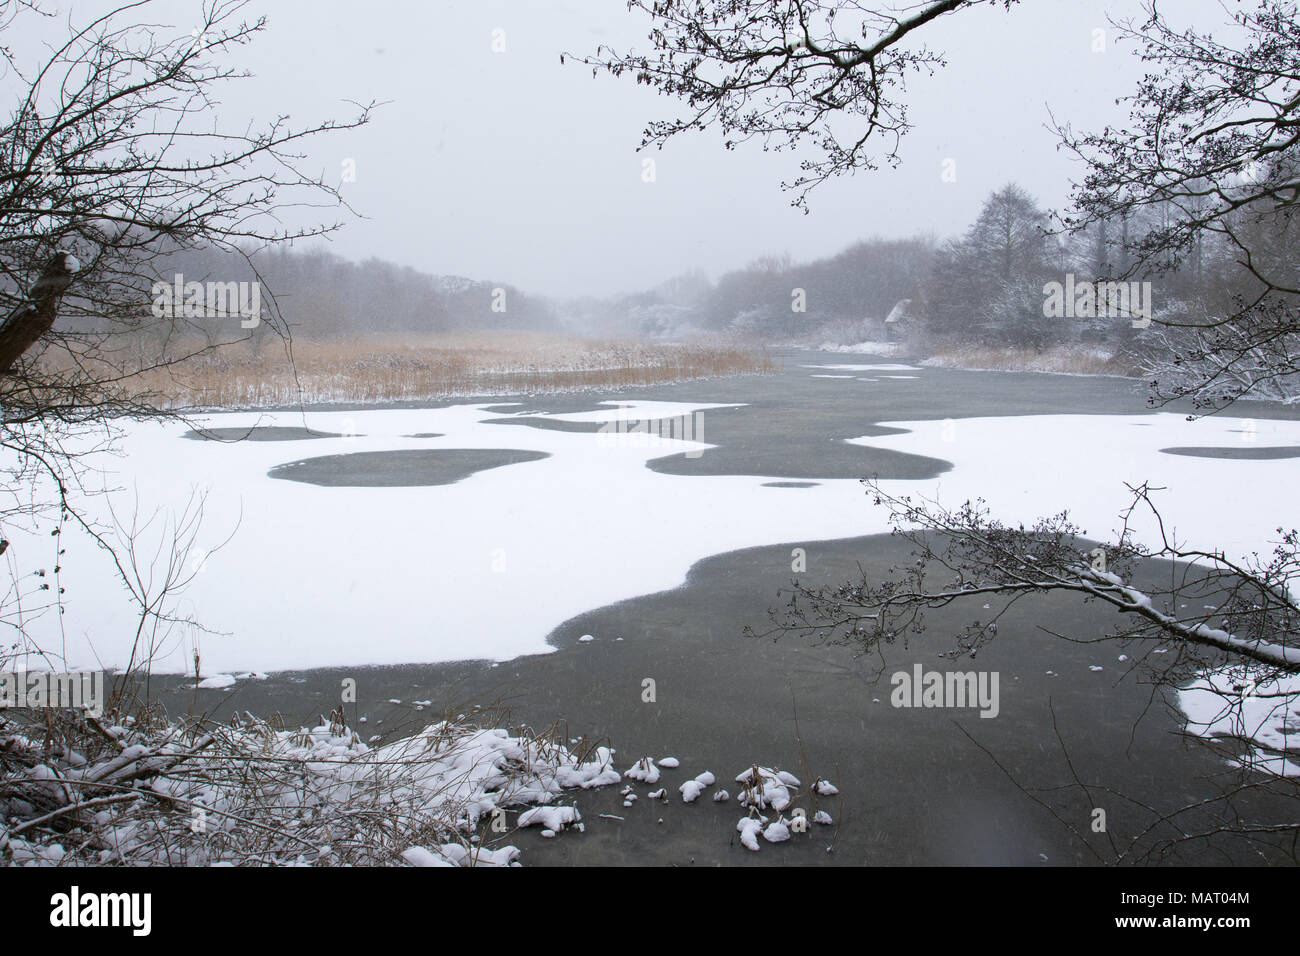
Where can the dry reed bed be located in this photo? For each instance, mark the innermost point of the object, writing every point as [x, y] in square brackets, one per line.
[379, 370]
[1066, 359]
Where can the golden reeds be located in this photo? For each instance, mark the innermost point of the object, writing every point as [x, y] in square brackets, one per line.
[379, 369]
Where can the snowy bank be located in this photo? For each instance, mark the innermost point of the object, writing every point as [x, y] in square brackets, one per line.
[249, 793]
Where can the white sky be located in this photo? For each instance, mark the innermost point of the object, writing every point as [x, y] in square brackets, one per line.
[513, 167]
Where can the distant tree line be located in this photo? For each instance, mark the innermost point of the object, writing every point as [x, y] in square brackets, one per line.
[1019, 276]
[845, 296]
[321, 295]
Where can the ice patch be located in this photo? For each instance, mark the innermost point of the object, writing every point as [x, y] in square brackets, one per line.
[1243, 704]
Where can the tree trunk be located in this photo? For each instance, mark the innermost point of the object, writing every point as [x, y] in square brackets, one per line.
[33, 317]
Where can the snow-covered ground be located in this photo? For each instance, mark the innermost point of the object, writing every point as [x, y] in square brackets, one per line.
[487, 567]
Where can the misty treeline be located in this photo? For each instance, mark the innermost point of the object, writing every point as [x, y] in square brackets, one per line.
[321, 295]
[992, 285]
[843, 296]
[1021, 276]
[989, 286]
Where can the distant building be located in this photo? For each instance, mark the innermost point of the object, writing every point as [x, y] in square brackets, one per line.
[896, 321]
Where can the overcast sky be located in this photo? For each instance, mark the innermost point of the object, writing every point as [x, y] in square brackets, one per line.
[513, 167]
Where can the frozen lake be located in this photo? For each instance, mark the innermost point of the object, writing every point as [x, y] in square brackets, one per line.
[471, 530]
[464, 550]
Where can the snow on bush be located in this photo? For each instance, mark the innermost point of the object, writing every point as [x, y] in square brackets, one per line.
[250, 793]
[550, 818]
[643, 770]
[778, 831]
[765, 787]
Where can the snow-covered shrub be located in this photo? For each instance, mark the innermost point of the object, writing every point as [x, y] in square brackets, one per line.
[199, 794]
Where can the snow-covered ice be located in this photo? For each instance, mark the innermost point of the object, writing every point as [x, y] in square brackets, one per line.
[867, 368]
[217, 682]
[1241, 703]
[326, 576]
[861, 348]
[343, 576]
[1083, 461]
